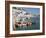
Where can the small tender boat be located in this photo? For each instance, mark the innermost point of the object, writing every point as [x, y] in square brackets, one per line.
[17, 24]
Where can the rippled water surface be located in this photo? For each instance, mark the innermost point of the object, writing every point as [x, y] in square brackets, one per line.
[35, 25]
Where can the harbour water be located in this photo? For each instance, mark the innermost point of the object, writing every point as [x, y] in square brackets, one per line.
[35, 24]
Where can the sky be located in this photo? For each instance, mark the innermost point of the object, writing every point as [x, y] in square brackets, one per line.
[32, 10]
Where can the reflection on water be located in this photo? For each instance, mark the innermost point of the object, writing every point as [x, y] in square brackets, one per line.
[35, 25]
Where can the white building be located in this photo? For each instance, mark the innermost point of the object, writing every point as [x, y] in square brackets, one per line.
[20, 13]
